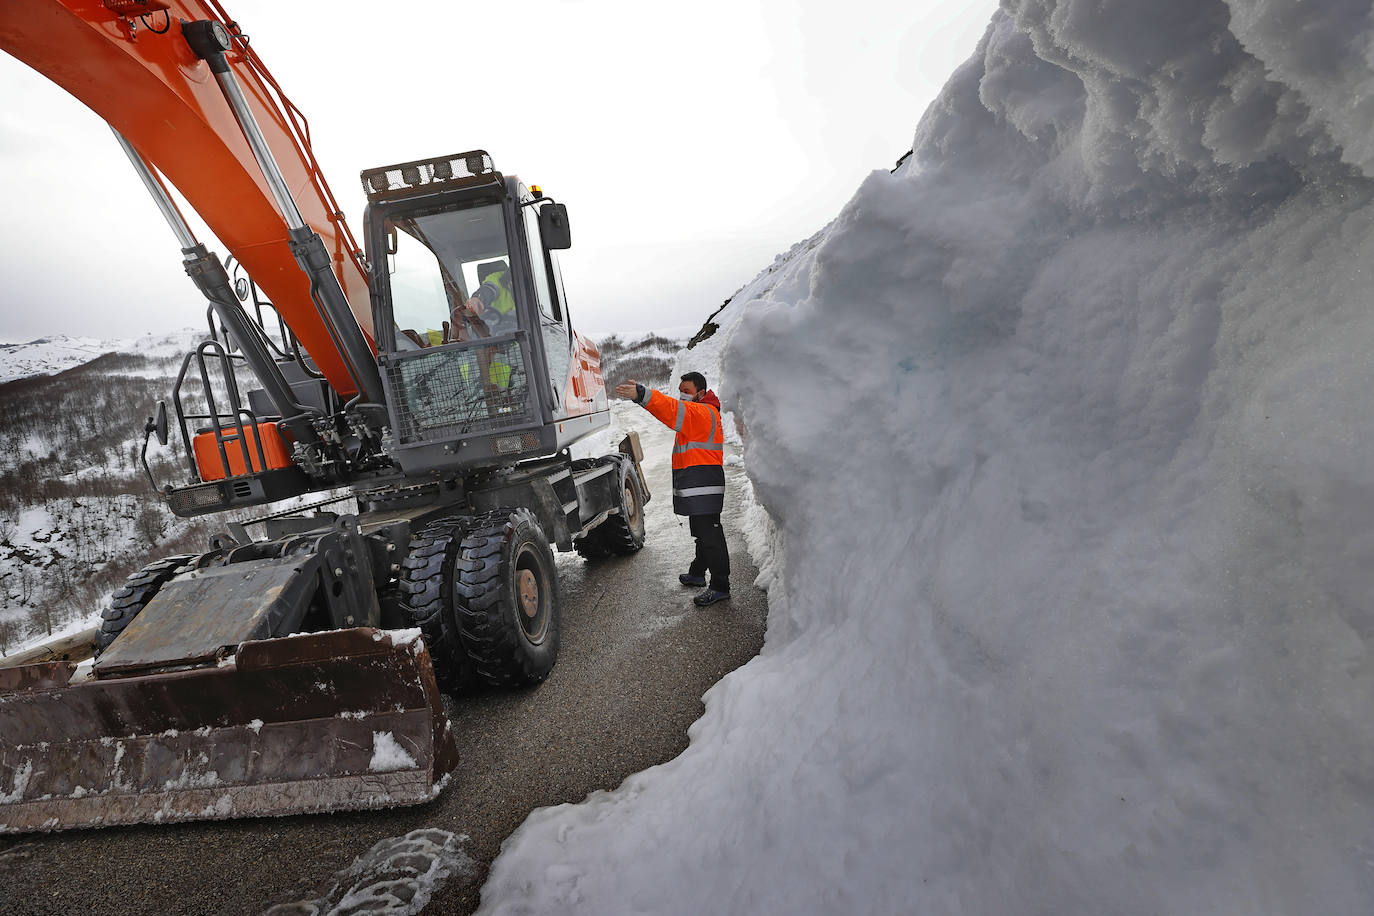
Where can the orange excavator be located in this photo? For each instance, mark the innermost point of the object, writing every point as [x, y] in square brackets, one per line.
[430, 381]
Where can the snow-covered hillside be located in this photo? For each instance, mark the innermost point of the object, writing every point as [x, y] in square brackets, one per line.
[47, 355]
[1065, 428]
[50, 355]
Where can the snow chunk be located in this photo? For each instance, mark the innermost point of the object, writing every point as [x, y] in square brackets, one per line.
[388, 755]
[221, 807]
[255, 726]
[396, 877]
[22, 774]
[399, 637]
[189, 778]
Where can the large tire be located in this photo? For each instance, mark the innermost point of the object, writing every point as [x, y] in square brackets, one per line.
[506, 599]
[591, 547]
[426, 586]
[134, 595]
[622, 532]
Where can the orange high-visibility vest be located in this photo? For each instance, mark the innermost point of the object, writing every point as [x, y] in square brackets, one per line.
[698, 452]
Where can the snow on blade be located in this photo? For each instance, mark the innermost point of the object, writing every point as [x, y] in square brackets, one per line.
[1064, 429]
[388, 755]
[19, 783]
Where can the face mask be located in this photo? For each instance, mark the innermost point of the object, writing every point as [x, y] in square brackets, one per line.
[686, 397]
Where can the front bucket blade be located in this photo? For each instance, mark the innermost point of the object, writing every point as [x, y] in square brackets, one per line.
[346, 719]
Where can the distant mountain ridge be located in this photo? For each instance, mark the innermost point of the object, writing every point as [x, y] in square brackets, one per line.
[60, 352]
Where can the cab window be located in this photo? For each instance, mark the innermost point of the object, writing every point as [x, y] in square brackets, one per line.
[451, 268]
[541, 274]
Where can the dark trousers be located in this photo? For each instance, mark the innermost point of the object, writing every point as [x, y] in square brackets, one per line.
[712, 552]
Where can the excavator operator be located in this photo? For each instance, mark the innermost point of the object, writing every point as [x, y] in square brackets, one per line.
[493, 301]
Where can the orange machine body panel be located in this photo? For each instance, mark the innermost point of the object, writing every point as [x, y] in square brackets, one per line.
[211, 467]
[585, 391]
[166, 102]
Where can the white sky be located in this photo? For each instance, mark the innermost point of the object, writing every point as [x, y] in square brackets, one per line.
[690, 147]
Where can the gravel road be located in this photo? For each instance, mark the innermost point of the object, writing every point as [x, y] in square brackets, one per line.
[636, 658]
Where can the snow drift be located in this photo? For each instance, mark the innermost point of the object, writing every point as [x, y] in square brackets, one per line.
[1066, 430]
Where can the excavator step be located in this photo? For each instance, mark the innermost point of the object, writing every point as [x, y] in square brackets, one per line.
[340, 720]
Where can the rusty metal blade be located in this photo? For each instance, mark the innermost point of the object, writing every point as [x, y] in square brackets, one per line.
[346, 719]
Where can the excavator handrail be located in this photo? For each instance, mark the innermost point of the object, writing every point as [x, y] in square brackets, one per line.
[300, 126]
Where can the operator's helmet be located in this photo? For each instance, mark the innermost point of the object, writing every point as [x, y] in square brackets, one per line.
[488, 268]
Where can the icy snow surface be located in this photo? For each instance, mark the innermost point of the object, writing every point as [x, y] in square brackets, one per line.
[396, 877]
[1067, 431]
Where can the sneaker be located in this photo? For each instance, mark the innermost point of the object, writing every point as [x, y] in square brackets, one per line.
[710, 596]
[692, 581]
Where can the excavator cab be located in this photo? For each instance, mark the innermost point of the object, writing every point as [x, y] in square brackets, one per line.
[466, 301]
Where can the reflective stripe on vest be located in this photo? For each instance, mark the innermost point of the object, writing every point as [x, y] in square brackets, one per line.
[711, 446]
[699, 491]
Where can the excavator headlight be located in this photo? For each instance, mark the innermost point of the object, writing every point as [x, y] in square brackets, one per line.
[194, 500]
[509, 445]
[402, 179]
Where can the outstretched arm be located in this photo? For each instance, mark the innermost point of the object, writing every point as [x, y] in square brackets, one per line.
[631, 390]
[656, 402]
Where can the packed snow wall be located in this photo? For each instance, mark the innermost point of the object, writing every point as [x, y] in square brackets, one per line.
[1068, 431]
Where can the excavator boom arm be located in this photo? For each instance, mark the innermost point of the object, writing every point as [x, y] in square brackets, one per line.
[149, 85]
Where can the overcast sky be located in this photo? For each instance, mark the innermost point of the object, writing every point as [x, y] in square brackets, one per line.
[690, 147]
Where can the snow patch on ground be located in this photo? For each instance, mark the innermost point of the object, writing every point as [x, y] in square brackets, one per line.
[397, 877]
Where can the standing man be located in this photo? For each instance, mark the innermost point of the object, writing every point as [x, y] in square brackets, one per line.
[698, 475]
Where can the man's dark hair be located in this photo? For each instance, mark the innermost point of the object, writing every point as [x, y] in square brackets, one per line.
[696, 378]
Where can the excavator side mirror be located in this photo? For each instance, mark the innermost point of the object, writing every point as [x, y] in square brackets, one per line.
[158, 423]
[553, 226]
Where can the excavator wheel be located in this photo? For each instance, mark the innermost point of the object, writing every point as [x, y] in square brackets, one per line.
[426, 586]
[506, 598]
[134, 595]
[622, 533]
